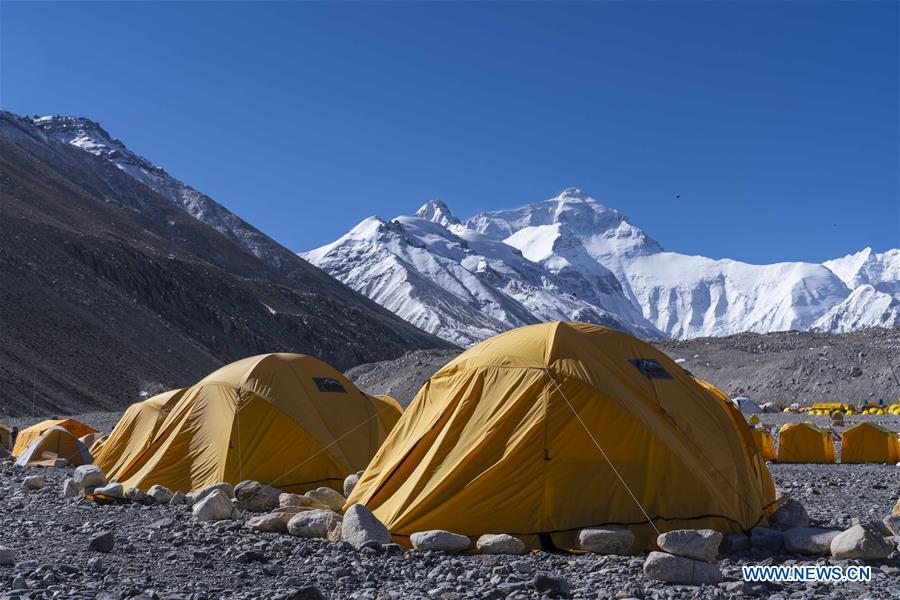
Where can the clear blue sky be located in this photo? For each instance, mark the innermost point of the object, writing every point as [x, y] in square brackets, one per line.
[776, 122]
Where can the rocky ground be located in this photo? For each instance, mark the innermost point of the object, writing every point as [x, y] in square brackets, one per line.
[782, 367]
[163, 552]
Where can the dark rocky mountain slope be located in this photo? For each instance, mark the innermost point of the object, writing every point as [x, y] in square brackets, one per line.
[108, 289]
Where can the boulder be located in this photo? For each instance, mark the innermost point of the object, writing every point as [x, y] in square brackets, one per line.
[269, 522]
[225, 488]
[299, 500]
[7, 557]
[440, 540]
[662, 566]
[896, 511]
[699, 544]
[736, 542]
[178, 499]
[327, 496]
[606, 540]
[112, 490]
[69, 489]
[350, 482]
[861, 542]
[34, 482]
[790, 515]
[102, 542]
[89, 476]
[313, 523]
[764, 538]
[60, 463]
[500, 543]
[216, 506]
[160, 494]
[809, 540]
[361, 526]
[255, 496]
[892, 522]
[135, 495]
[551, 585]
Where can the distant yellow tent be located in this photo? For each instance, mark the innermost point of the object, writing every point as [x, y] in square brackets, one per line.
[869, 443]
[53, 444]
[5, 435]
[135, 431]
[764, 443]
[29, 434]
[804, 443]
[285, 419]
[502, 440]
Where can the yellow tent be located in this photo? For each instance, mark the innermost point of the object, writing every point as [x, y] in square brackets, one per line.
[391, 413]
[869, 443]
[5, 435]
[804, 443]
[764, 443]
[55, 443]
[284, 419]
[550, 428]
[29, 434]
[135, 431]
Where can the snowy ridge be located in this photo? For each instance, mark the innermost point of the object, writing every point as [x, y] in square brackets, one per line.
[571, 257]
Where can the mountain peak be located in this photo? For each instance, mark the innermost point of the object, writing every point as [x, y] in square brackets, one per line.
[573, 193]
[437, 212]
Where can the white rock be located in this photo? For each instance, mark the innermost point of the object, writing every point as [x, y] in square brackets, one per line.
[178, 499]
[605, 540]
[216, 506]
[361, 526]
[699, 544]
[861, 542]
[7, 556]
[89, 476]
[113, 490]
[809, 540]
[500, 543]
[327, 496]
[681, 570]
[69, 489]
[892, 522]
[313, 523]
[160, 493]
[439, 540]
[350, 482]
[225, 488]
[34, 482]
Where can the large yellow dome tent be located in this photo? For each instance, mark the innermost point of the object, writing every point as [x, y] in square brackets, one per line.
[550, 428]
[869, 443]
[284, 419]
[53, 444]
[804, 443]
[135, 431]
[29, 434]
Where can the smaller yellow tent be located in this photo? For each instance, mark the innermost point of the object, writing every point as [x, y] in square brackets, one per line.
[765, 445]
[30, 434]
[53, 444]
[5, 435]
[869, 443]
[804, 443]
[134, 432]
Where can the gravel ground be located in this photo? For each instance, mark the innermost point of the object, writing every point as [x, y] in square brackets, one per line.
[162, 552]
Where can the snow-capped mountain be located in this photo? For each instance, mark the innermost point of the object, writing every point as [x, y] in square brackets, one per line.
[572, 257]
[464, 286]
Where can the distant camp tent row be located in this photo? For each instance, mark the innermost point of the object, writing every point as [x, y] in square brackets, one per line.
[538, 432]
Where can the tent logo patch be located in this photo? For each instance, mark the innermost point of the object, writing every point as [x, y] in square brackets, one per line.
[650, 368]
[327, 384]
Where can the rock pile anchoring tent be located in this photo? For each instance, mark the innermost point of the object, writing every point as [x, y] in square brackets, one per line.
[804, 443]
[551, 428]
[53, 444]
[869, 443]
[283, 419]
[30, 434]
